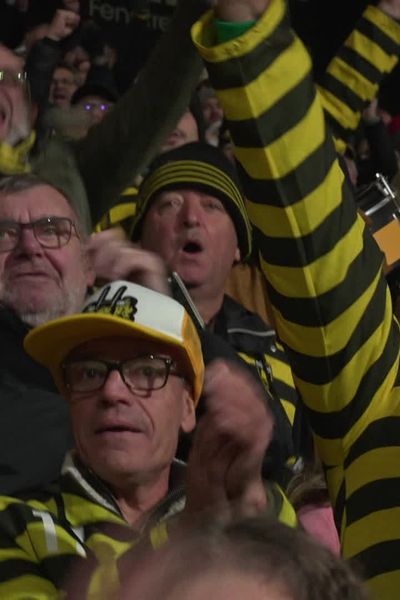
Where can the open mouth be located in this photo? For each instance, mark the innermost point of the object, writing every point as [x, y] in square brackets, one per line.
[192, 248]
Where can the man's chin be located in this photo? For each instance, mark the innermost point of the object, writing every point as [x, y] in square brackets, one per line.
[35, 309]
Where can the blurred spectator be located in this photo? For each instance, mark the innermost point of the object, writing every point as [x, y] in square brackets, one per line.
[375, 151]
[78, 59]
[63, 85]
[212, 112]
[96, 100]
[132, 27]
[190, 127]
[255, 559]
[15, 113]
[186, 131]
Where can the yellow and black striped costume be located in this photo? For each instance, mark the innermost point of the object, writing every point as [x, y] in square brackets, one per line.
[353, 77]
[46, 536]
[42, 535]
[331, 303]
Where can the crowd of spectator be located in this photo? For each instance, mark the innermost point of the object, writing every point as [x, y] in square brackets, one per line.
[199, 292]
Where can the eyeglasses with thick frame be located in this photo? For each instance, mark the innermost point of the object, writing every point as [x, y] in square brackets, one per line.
[50, 232]
[141, 373]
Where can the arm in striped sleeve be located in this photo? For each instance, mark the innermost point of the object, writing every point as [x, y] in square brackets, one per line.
[353, 77]
[22, 574]
[323, 269]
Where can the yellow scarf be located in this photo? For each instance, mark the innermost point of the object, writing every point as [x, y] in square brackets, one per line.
[14, 159]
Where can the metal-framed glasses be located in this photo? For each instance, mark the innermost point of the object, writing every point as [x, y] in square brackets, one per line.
[142, 373]
[50, 232]
[13, 78]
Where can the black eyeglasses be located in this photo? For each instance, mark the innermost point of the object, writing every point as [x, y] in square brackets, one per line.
[144, 373]
[50, 232]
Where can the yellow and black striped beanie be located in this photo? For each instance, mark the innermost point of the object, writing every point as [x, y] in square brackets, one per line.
[201, 167]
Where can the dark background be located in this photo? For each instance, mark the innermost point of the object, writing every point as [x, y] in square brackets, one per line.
[322, 25]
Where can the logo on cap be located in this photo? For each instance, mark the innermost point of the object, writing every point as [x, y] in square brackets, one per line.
[117, 305]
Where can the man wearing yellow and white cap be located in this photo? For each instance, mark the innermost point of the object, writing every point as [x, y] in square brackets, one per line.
[131, 369]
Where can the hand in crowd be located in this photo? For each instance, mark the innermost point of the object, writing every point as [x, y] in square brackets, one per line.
[63, 24]
[371, 113]
[224, 468]
[391, 7]
[240, 10]
[73, 5]
[112, 258]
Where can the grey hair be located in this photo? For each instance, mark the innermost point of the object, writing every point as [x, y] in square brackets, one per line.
[13, 184]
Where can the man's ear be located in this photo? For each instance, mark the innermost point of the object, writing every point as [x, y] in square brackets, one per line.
[238, 256]
[89, 270]
[188, 421]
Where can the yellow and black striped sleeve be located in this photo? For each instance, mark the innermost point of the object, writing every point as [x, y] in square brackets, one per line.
[32, 543]
[323, 270]
[353, 77]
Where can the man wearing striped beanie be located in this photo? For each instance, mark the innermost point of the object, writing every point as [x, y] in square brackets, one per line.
[191, 211]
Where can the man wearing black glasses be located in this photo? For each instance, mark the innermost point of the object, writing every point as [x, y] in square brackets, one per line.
[131, 369]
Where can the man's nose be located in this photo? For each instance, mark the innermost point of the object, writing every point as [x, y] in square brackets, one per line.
[28, 244]
[191, 214]
[115, 390]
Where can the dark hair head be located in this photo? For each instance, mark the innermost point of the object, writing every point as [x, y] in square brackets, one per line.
[262, 549]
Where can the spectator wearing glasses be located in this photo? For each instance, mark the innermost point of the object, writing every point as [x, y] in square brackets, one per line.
[15, 115]
[131, 369]
[46, 267]
[96, 100]
[63, 86]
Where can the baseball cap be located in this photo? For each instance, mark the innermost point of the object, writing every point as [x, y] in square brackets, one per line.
[121, 309]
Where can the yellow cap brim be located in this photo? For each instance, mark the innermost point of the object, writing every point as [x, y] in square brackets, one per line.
[51, 343]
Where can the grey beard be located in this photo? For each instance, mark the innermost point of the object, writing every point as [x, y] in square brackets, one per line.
[39, 318]
[69, 304]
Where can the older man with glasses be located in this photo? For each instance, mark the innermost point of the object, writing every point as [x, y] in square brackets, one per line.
[47, 266]
[131, 369]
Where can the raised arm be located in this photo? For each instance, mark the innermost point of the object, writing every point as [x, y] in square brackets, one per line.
[354, 75]
[323, 269]
[124, 143]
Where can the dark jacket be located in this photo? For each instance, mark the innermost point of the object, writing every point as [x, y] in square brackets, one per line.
[34, 422]
[258, 346]
[240, 335]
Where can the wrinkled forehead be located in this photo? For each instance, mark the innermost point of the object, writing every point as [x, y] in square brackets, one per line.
[9, 60]
[34, 203]
[119, 348]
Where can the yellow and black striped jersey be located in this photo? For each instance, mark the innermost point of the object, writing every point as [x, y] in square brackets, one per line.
[75, 529]
[353, 76]
[324, 275]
